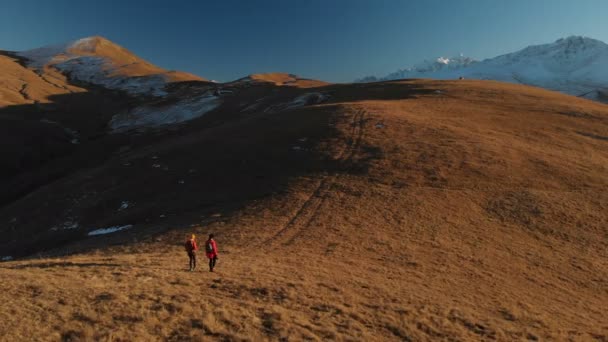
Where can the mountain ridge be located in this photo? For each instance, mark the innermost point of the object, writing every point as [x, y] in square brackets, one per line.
[573, 65]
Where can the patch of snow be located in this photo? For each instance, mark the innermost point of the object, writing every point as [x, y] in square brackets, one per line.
[7, 258]
[109, 230]
[70, 225]
[100, 71]
[162, 215]
[300, 101]
[251, 107]
[155, 116]
[66, 226]
[220, 92]
[307, 99]
[124, 205]
[85, 44]
[156, 166]
[39, 57]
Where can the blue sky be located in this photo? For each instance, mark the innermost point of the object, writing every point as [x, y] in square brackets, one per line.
[332, 40]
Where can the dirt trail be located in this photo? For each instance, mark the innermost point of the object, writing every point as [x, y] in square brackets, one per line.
[307, 212]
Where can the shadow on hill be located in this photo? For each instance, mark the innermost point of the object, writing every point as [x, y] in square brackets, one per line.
[64, 264]
[43, 142]
[380, 91]
[174, 176]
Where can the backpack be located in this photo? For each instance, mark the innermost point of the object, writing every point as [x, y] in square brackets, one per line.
[209, 247]
[189, 246]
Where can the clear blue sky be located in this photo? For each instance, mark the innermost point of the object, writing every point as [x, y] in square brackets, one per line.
[332, 40]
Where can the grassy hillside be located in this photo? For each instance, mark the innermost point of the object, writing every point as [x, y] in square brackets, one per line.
[412, 210]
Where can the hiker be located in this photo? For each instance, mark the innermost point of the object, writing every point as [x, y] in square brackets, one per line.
[211, 250]
[191, 249]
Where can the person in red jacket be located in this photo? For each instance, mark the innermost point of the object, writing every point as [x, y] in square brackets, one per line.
[191, 249]
[211, 250]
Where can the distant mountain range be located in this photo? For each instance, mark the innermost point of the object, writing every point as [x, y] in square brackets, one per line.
[575, 65]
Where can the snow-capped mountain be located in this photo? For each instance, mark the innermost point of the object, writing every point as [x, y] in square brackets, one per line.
[574, 65]
[98, 61]
[438, 65]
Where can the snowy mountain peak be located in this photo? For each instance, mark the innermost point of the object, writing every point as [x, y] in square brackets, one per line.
[573, 45]
[441, 63]
[99, 61]
[91, 44]
[574, 65]
[421, 70]
[579, 42]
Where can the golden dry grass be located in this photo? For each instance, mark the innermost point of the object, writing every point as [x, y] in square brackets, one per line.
[285, 79]
[19, 85]
[471, 210]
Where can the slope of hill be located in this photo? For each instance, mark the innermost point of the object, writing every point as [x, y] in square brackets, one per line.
[280, 79]
[413, 210]
[574, 65]
[20, 85]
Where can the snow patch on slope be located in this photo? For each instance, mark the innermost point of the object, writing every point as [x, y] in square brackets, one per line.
[97, 70]
[300, 101]
[109, 230]
[154, 116]
[40, 57]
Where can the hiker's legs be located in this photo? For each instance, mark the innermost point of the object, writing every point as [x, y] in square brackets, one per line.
[212, 263]
[192, 257]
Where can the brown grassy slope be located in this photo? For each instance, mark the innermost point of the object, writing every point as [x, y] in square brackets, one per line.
[20, 85]
[470, 211]
[285, 79]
